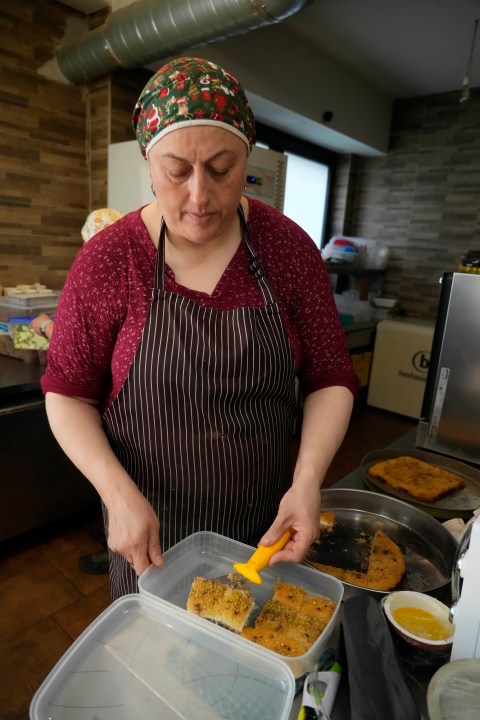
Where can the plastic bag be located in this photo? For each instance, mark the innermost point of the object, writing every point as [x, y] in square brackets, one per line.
[378, 687]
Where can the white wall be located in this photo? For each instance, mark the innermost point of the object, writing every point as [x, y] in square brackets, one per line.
[293, 83]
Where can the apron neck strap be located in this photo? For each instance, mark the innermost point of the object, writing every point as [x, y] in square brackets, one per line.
[255, 267]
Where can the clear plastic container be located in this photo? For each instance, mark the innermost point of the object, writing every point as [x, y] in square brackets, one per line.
[144, 660]
[210, 555]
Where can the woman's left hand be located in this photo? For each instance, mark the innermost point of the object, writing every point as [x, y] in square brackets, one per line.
[299, 510]
[326, 414]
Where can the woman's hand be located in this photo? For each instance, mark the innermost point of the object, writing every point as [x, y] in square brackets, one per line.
[37, 322]
[299, 510]
[133, 526]
[133, 530]
[326, 414]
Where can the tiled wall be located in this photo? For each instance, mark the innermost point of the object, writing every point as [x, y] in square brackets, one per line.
[54, 141]
[422, 199]
[43, 173]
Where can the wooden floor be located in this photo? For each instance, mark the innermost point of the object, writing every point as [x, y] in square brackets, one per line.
[46, 601]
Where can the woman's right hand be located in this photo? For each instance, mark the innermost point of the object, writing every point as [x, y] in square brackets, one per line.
[134, 530]
[133, 525]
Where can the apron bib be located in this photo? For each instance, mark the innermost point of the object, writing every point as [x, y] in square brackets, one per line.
[204, 421]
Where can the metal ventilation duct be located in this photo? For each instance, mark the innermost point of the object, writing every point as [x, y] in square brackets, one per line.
[149, 30]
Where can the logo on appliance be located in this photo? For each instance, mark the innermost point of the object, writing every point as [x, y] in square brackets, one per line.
[421, 360]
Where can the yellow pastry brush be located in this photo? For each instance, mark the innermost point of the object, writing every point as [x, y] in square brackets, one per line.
[259, 560]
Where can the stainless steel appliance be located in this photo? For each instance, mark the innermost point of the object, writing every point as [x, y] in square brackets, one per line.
[450, 422]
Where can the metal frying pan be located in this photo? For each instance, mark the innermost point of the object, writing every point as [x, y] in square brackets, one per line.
[428, 547]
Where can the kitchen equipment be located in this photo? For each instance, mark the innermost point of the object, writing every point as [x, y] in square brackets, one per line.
[460, 503]
[146, 660]
[465, 612]
[384, 302]
[343, 546]
[454, 691]
[428, 547]
[450, 421]
[317, 690]
[209, 555]
[33, 300]
[319, 693]
[259, 560]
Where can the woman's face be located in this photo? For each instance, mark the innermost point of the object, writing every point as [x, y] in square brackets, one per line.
[198, 175]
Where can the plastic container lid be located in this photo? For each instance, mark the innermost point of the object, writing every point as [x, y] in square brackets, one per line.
[211, 555]
[454, 691]
[143, 659]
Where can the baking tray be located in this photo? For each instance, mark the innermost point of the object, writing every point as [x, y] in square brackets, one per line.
[428, 547]
[460, 503]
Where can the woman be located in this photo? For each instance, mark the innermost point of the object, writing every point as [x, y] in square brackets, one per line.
[178, 336]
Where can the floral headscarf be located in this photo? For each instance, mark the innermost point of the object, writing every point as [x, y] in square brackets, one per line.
[189, 91]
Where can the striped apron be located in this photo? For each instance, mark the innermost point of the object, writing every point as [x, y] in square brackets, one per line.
[204, 421]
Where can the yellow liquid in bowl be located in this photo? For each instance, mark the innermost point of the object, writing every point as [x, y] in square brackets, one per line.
[422, 623]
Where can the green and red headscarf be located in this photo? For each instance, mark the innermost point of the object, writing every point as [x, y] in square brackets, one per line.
[191, 91]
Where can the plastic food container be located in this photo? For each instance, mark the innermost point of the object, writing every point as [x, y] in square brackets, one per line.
[210, 555]
[453, 691]
[142, 659]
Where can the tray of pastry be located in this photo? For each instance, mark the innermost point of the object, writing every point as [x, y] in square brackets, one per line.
[443, 487]
[208, 557]
[428, 549]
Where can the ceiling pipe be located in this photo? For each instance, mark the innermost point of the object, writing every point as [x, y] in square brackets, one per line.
[149, 30]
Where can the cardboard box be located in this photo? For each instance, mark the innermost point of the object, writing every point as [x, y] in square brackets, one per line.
[400, 365]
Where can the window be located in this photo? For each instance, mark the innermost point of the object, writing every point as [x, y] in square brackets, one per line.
[308, 179]
[306, 195]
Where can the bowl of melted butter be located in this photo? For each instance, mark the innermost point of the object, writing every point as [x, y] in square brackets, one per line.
[420, 620]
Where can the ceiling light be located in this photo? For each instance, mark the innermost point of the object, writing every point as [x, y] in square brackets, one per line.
[465, 94]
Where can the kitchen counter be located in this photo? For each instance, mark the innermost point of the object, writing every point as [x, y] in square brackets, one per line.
[39, 483]
[18, 377]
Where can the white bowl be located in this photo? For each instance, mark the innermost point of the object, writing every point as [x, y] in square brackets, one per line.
[380, 302]
[419, 601]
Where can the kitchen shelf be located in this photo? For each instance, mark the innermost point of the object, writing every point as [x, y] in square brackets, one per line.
[362, 278]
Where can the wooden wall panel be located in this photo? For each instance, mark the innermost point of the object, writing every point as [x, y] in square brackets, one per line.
[98, 123]
[43, 171]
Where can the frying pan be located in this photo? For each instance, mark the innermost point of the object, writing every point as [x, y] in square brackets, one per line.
[428, 547]
[343, 546]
